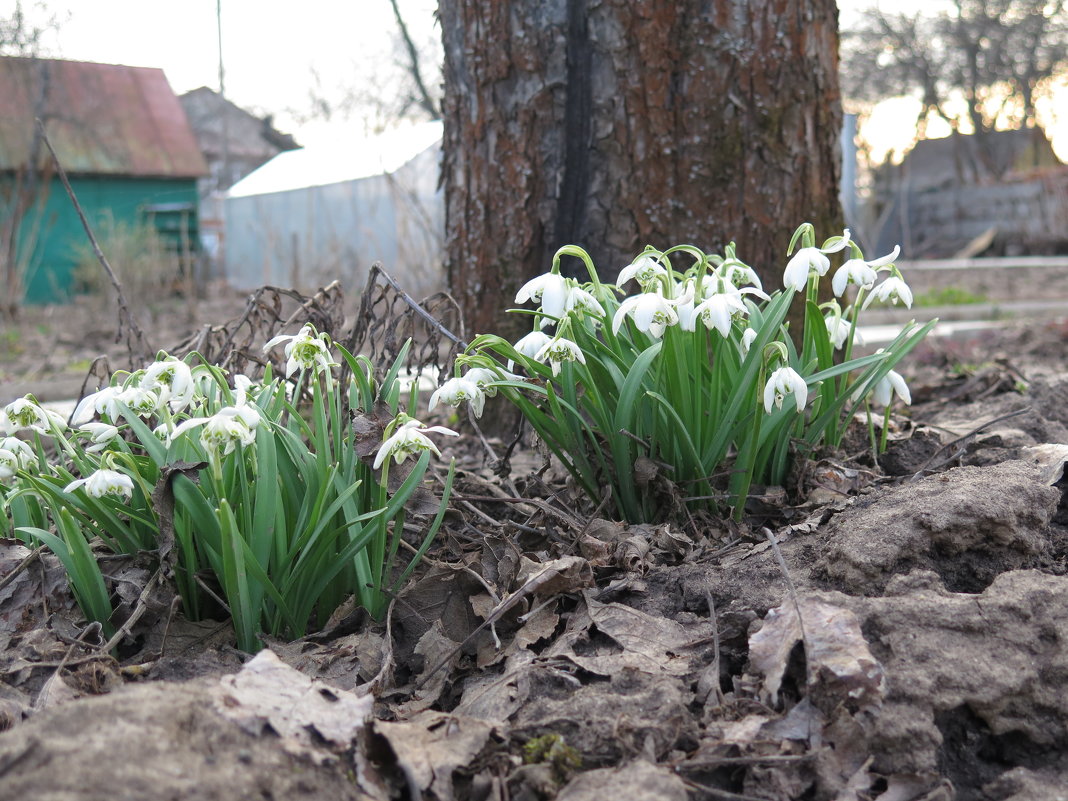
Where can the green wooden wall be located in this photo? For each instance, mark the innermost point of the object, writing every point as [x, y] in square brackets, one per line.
[51, 235]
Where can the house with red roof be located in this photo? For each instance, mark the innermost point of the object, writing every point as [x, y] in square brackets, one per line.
[125, 142]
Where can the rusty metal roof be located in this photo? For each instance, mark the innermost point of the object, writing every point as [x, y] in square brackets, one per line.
[101, 118]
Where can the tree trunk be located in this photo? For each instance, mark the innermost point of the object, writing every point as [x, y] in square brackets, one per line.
[612, 124]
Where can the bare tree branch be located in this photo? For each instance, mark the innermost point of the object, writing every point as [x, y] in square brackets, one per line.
[426, 102]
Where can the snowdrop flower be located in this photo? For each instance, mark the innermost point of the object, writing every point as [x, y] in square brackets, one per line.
[549, 290]
[889, 385]
[810, 260]
[645, 270]
[26, 413]
[100, 434]
[103, 483]
[739, 274]
[652, 313]
[173, 380]
[242, 384]
[748, 335]
[838, 331]
[457, 390]
[9, 464]
[785, 381]
[891, 291]
[306, 350]
[224, 430]
[532, 343]
[142, 402]
[409, 439]
[557, 351]
[95, 403]
[860, 272]
[718, 310]
[578, 299]
[484, 377]
[685, 297]
[14, 455]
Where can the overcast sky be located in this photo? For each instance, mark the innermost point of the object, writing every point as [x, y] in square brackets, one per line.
[273, 49]
[270, 47]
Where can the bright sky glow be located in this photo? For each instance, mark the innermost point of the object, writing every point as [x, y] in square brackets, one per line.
[270, 47]
[273, 50]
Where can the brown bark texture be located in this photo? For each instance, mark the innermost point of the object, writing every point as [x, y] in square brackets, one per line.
[613, 124]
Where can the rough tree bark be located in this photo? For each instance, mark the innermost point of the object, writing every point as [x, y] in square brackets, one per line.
[613, 124]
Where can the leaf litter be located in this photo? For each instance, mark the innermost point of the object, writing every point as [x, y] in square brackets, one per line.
[911, 648]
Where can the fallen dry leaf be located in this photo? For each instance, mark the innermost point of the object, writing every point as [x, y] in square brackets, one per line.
[841, 668]
[267, 692]
[644, 642]
[432, 745]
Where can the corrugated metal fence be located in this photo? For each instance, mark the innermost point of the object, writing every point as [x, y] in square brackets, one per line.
[308, 237]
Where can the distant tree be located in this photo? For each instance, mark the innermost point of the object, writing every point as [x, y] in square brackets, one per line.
[615, 124]
[996, 55]
[404, 87]
[25, 32]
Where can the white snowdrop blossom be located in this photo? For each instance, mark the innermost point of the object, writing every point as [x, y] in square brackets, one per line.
[652, 313]
[645, 270]
[810, 260]
[748, 335]
[892, 290]
[103, 483]
[685, 298]
[142, 402]
[9, 464]
[718, 311]
[739, 274]
[860, 272]
[838, 330]
[550, 291]
[100, 434]
[103, 402]
[14, 455]
[173, 380]
[532, 343]
[26, 414]
[457, 390]
[578, 299]
[409, 439]
[306, 350]
[785, 381]
[484, 378]
[557, 351]
[224, 430]
[889, 385]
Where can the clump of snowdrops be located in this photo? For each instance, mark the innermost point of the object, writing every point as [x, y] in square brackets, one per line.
[258, 487]
[696, 373]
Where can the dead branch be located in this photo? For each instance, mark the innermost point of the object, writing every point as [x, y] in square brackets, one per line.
[127, 322]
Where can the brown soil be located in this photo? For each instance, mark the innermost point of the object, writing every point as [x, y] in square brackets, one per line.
[898, 632]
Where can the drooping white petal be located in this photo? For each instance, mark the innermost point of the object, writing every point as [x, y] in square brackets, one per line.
[785, 381]
[409, 439]
[103, 483]
[558, 351]
[892, 290]
[644, 269]
[748, 337]
[854, 271]
[457, 390]
[889, 385]
[532, 343]
[805, 261]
